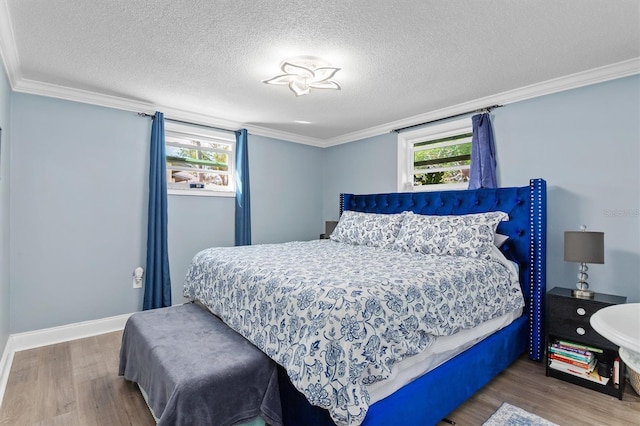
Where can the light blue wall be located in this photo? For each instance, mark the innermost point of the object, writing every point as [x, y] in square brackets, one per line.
[286, 188]
[195, 223]
[5, 102]
[365, 166]
[79, 202]
[585, 142]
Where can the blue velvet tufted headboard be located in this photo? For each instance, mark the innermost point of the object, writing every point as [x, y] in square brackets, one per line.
[526, 229]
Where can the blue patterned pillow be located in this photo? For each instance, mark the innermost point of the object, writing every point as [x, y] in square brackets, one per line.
[368, 229]
[469, 235]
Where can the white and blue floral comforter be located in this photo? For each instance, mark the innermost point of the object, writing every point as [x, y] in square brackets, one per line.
[338, 316]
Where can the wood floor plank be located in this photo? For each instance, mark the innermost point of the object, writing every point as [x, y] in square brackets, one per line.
[55, 382]
[98, 402]
[67, 419]
[113, 341]
[132, 403]
[77, 383]
[17, 403]
[88, 359]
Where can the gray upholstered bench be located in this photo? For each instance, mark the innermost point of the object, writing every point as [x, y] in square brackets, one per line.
[194, 369]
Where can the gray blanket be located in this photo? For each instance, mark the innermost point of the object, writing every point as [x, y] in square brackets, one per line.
[196, 370]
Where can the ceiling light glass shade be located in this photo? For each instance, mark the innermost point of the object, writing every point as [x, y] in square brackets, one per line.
[304, 73]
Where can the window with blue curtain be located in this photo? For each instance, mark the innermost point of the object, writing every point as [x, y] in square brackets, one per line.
[243, 199]
[436, 157]
[157, 284]
[482, 173]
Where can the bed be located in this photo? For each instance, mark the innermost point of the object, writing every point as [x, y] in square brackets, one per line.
[339, 315]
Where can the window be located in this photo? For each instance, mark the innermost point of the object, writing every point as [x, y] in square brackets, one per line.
[200, 161]
[436, 157]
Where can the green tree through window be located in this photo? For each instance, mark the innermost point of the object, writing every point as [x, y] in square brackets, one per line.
[442, 161]
[200, 163]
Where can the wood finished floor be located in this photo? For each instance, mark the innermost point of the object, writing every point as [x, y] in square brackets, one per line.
[77, 383]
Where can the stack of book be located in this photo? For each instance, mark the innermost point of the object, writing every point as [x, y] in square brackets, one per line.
[575, 359]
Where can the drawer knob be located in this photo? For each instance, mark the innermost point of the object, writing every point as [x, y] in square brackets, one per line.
[580, 331]
[581, 311]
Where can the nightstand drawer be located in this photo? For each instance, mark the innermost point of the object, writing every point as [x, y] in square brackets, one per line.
[578, 331]
[571, 319]
[573, 309]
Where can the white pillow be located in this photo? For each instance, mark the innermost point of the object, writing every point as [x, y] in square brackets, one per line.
[470, 235]
[499, 239]
[367, 229]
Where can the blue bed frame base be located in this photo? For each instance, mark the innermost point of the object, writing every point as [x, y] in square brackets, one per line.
[449, 385]
[434, 395]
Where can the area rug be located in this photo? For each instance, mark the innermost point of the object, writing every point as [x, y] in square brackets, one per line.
[508, 415]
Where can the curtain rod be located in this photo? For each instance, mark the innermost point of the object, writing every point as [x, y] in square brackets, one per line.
[143, 114]
[486, 109]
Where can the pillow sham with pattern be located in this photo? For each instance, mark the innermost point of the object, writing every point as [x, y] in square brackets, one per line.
[470, 235]
[368, 229]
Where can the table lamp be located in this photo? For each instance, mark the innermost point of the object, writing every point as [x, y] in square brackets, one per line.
[583, 247]
[329, 226]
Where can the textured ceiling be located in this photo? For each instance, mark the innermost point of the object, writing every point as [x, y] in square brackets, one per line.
[399, 59]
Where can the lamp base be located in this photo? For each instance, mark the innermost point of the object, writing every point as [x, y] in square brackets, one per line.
[582, 294]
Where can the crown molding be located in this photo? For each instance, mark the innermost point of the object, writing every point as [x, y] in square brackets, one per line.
[78, 95]
[290, 137]
[8, 50]
[34, 87]
[572, 81]
[84, 96]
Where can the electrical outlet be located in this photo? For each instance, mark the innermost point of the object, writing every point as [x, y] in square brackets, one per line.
[137, 283]
[137, 277]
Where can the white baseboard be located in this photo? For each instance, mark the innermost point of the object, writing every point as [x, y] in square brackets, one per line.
[64, 333]
[5, 366]
[49, 336]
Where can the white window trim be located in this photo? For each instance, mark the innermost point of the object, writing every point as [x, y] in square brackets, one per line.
[200, 193]
[195, 131]
[405, 153]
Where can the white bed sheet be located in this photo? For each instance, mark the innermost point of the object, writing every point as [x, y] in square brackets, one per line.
[444, 348]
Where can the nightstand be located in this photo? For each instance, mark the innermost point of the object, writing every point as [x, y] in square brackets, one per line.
[329, 226]
[568, 323]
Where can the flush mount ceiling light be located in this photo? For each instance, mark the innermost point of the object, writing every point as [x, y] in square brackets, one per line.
[304, 73]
